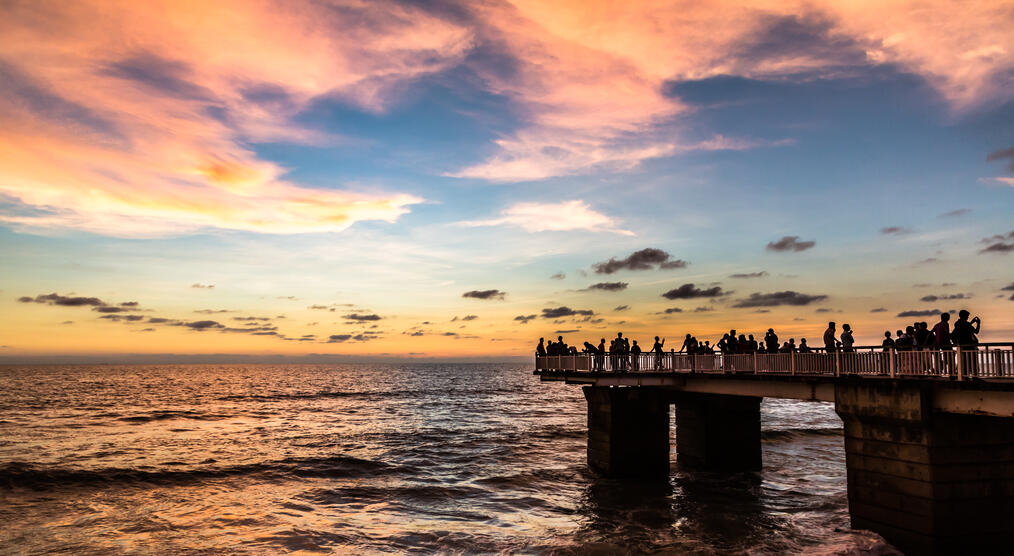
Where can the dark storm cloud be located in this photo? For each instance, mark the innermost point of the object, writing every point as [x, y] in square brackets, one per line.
[775, 299]
[919, 313]
[523, 319]
[608, 286]
[645, 259]
[689, 291]
[64, 301]
[557, 312]
[932, 298]
[790, 243]
[1003, 154]
[621, 308]
[894, 230]
[955, 212]
[356, 317]
[759, 274]
[485, 294]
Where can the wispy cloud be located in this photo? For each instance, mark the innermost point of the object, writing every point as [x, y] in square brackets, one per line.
[645, 259]
[790, 244]
[553, 217]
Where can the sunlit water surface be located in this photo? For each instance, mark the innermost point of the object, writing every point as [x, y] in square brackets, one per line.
[374, 459]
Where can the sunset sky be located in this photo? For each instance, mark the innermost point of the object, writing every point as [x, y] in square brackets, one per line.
[444, 179]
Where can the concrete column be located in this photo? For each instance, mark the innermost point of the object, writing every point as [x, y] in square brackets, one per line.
[929, 482]
[718, 432]
[628, 431]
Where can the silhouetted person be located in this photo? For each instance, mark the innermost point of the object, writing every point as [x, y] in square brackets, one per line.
[687, 344]
[965, 331]
[888, 344]
[551, 348]
[803, 348]
[846, 338]
[732, 343]
[942, 332]
[785, 348]
[771, 341]
[922, 335]
[829, 338]
[600, 355]
[635, 356]
[753, 345]
[656, 348]
[540, 350]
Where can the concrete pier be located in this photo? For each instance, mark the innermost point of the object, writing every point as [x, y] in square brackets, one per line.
[718, 432]
[628, 431]
[929, 482]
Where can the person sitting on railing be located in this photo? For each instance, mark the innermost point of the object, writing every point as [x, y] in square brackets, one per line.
[540, 350]
[635, 357]
[888, 344]
[803, 348]
[829, 340]
[771, 341]
[847, 341]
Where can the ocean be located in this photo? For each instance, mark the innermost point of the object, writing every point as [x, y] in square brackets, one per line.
[371, 459]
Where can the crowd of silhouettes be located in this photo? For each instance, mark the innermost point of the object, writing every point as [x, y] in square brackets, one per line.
[623, 352]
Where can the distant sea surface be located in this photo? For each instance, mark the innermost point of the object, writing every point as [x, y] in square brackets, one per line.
[412, 458]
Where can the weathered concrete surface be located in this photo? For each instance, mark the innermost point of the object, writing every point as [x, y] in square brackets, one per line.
[718, 432]
[628, 431]
[929, 482]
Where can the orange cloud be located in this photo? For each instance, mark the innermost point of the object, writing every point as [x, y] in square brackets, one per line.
[592, 74]
[132, 118]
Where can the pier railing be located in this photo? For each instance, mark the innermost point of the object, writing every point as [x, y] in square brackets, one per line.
[995, 361]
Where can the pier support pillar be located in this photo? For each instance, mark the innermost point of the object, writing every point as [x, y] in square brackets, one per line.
[628, 431]
[929, 482]
[718, 432]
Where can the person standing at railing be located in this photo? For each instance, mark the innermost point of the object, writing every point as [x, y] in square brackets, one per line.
[656, 348]
[600, 355]
[888, 344]
[847, 340]
[635, 357]
[922, 339]
[540, 350]
[752, 344]
[968, 344]
[771, 341]
[829, 340]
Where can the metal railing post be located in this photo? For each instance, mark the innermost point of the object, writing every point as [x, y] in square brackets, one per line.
[961, 364]
[892, 362]
[792, 363]
[755, 362]
[837, 363]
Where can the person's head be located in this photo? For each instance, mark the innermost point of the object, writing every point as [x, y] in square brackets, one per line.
[846, 327]
[732, 332]
[963, 314]
[635, 342]
[802, 341]
[898, 332]
[619, 334]
[751, 336]
[945, 317]
[887, 333]
[742, 338]
[603, 340]
[792, 341]
[559, 339]
[771, 330]
[909, 330]
[656, 337]
[542, 340]
[688, 336]
[831, 325]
